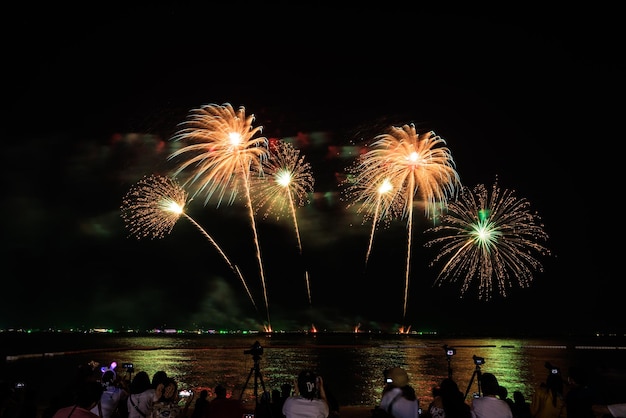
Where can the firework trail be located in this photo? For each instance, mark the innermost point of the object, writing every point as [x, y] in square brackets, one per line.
[492, 237]
[221, 152]
[412, 163]
[377, 199]
[285, 184]
[154, 204]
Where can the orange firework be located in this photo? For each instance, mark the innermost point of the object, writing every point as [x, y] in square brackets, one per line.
[154, 204]
[284, 185]
[221, 152]
[405, 164]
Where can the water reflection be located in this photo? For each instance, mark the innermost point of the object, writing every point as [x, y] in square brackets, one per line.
[352, 367]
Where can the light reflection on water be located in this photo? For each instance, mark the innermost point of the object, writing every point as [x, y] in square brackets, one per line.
[351, 365]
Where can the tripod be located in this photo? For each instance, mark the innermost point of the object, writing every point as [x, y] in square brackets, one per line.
[258, 377]
[478, 375]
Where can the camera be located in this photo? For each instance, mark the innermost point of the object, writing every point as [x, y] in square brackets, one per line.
[388, 380]
[256, 350]
[20, 385]
[450, 351]
[553, 369]
[128, 366]
[478, 360]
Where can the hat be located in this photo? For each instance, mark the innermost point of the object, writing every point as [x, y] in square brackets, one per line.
[306, 384]
[398, 376]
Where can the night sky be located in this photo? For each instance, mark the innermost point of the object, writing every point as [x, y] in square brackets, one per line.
[93, 99]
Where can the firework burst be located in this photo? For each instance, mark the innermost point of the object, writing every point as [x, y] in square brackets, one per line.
[284, 185]
[376, 200]
[405, 164]
[220, 152]
[154, 204]
[493, 238]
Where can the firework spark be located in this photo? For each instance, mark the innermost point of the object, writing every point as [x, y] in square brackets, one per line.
[377, 199]
[284, 185]
[492, 237]
[221, 152]
[408, 163]
[154, 204]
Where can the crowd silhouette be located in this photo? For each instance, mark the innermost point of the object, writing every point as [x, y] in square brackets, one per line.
[94, 393]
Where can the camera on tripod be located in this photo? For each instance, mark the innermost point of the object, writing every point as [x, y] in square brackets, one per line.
[450, 351]
[553, 369]
[256, 350]
[478, 360]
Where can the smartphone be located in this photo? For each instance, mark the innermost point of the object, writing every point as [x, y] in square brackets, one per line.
[184, 393]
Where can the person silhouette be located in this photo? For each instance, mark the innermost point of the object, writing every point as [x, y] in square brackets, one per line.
[548, 399]
[224, 407]
[310, 401]
[521, 408]
[489, 405]
[580, 395]
[112, 397]
[166, 404]
[448, 401]
[87, 396]
[201, 406]
[399, 398]
[141, 396]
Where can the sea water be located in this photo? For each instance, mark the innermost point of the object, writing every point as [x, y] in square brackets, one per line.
[351, 365]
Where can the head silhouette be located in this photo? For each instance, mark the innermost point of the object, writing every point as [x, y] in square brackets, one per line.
[220, 391]
[489, 384]
[399, 377]
[307, 384]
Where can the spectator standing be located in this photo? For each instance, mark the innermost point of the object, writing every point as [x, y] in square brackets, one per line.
[166, 403]
[201, 407]
[448, 401]
[87, 396]
[67, 396]
[548, 400]
[224, 407]
[488, 405]
[160, 376]
[521, 408]
[399, 397]
[141, 396]
[580, 396]
[113, 395]
[503, 393]
[310, 400]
